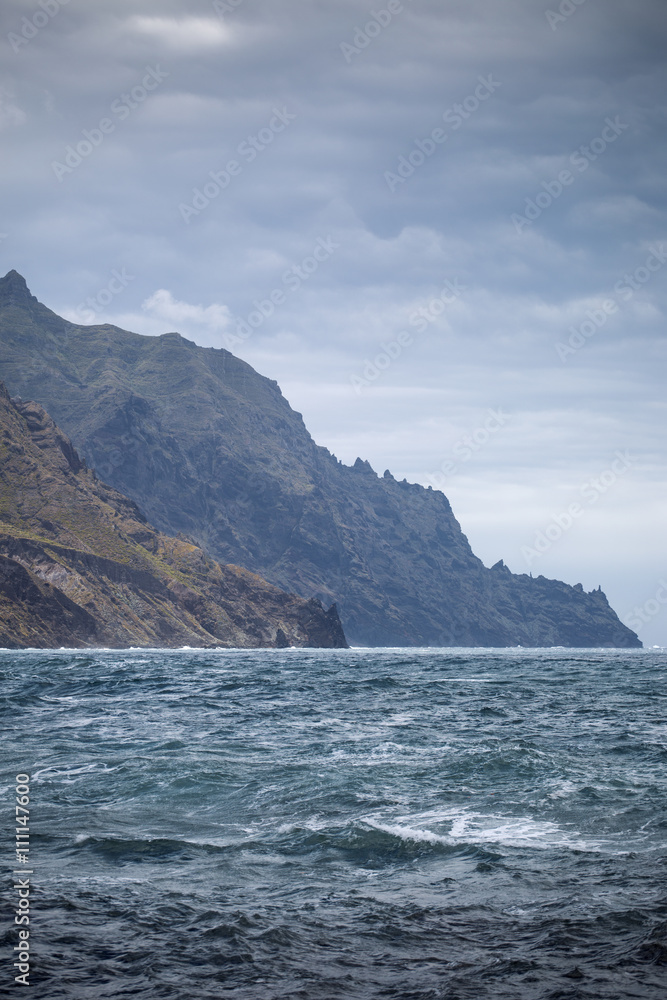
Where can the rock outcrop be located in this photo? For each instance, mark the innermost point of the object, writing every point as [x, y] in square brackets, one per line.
[81, 566]
[208, 447]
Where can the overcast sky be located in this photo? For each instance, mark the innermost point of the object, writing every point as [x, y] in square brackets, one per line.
[439, 224]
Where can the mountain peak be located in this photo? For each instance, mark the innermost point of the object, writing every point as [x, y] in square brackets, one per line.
[363, 466]
[14, 290]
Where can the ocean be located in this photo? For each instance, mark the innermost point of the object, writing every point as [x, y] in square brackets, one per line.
[418, 824]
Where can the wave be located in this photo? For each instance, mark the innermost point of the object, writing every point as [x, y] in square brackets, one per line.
[476, 828]
[381, 836]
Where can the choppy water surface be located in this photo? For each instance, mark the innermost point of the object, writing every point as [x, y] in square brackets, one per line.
[341, 824]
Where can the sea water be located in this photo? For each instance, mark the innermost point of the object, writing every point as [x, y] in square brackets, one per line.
[403, 823]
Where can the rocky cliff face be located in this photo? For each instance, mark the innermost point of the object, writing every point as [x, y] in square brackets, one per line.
[208, 447]
[81, 566]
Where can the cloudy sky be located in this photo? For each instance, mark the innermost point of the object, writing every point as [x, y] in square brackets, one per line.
[439, 224]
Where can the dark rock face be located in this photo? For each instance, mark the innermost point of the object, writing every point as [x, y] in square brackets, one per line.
[208, 447]
[44, 611]
[81, 566]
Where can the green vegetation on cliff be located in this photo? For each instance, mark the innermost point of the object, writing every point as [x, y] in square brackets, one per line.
[80, 565]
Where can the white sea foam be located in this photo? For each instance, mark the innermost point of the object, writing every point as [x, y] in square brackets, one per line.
[468, 827]
[314, 824]
[409, 833]
[68, 772]
[563, 790]
[473, 680]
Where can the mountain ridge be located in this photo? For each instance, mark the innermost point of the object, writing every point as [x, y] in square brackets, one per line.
[208, 447]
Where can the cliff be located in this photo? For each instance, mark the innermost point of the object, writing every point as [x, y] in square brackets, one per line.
[81, 566]
[207, 446]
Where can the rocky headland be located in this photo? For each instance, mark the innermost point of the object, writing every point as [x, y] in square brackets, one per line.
[209, 448]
